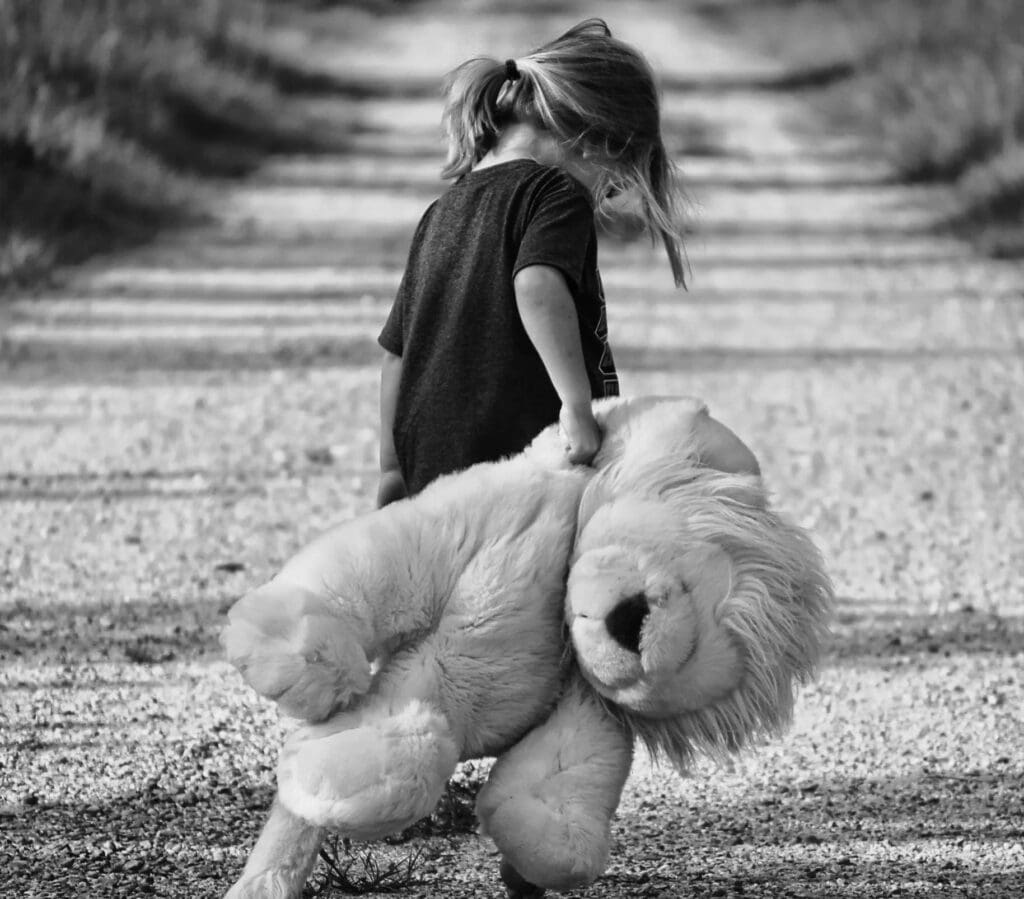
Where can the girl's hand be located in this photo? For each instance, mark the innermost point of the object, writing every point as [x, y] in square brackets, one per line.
[391, 487]
[581, 432]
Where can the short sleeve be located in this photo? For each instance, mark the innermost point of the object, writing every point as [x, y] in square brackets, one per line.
[391, 335]
[558, 229]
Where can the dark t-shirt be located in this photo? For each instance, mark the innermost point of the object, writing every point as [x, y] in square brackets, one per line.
[473, 388]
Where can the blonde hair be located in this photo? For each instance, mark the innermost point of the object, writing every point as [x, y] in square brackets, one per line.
[596, 96]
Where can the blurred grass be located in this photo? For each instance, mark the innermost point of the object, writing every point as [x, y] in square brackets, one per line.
[939, 84]
[110, 110]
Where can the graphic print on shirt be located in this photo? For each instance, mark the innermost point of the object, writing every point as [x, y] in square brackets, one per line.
[609, 377]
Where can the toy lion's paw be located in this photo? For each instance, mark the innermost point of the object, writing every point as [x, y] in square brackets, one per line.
[516, 886]
[273, 884]
[291, 646]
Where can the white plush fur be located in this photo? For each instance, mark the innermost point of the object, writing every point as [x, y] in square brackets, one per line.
[755, 595]
[434, 630]
[396, 763]
[748, 582]
[549, 799]
[281, 860]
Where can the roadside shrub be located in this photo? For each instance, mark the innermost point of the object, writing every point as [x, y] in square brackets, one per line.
[946, 82]
[108, 108]
[938, 84]
[992, 194]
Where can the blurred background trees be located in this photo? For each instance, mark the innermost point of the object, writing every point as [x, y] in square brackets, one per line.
[937, 84]
[110, 109]
[945, 82]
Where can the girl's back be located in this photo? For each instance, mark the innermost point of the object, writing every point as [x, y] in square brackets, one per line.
[472, 385]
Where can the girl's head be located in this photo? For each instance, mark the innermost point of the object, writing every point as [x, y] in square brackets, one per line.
[596, 96]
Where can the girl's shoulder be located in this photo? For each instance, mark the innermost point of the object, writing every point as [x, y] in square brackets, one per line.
[551, 177]
[515, 192]
[524, 174]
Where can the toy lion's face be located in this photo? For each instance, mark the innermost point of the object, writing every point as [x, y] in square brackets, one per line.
[645, 613]
[691, 605]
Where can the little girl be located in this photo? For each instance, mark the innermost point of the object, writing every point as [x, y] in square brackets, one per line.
[499, 327]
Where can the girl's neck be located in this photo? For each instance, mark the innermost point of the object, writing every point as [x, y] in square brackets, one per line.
[524, 141]
[521, 141]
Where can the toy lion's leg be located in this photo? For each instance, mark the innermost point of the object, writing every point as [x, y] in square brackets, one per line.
[281, 860]
[549, 801]
[369, 772]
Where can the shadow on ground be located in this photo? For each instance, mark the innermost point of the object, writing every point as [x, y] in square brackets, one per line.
[196, 821]
[880, 634]
[144, 633]
[186, 627]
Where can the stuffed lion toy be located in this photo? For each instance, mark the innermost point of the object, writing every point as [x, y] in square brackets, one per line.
[544, 613]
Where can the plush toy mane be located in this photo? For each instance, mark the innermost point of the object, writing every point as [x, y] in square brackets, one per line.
[776, 611]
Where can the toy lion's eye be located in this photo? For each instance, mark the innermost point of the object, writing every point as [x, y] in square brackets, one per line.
[626, 620]
[685, 587]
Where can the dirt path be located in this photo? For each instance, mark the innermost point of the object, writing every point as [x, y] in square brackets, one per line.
[176, 421]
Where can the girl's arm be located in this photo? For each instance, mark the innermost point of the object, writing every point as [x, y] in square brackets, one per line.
[549, 317]
[392, 485]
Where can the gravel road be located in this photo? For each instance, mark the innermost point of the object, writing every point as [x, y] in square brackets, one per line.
[176, 421]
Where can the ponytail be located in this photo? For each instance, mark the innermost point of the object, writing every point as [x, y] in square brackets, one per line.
[471, 117]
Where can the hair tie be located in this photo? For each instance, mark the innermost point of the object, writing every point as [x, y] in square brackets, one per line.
[511, 70]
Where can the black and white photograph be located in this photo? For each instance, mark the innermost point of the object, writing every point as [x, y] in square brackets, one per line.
[479, 450]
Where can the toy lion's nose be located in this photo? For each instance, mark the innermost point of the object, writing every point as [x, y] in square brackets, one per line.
[625, 621]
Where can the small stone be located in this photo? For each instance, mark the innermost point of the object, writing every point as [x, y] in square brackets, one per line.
[320, 455]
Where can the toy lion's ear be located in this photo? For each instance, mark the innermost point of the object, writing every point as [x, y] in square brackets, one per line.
[655, 446]
[720, 449]
[638, 432]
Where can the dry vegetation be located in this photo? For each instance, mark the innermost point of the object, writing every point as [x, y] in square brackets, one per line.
[109, 108]
[938, 83]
